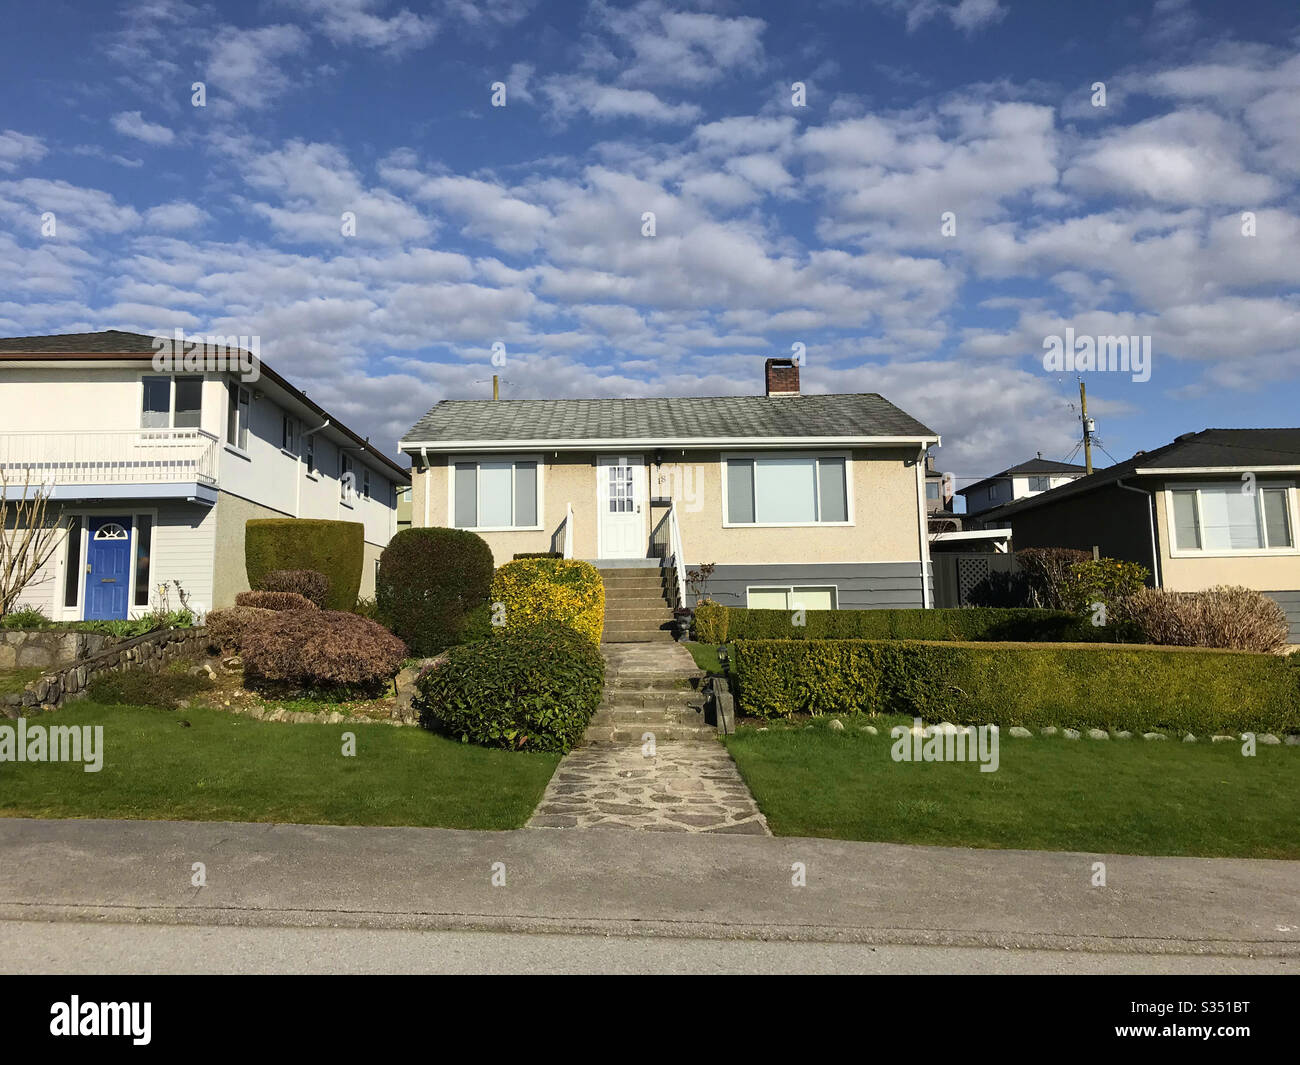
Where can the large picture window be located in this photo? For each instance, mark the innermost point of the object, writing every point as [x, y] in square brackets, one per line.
[495, 494]
[1223, 518]
[237, 417]
[787, 490]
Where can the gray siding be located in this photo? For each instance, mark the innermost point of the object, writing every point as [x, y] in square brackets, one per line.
[1290, 602]
[861, 585]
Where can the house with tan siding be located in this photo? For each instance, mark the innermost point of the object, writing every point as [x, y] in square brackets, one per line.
[1215, 507]
[796, 500]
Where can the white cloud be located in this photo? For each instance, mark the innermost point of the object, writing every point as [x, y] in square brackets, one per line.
[357, 22]
[570, 94]
[133, 124]
[175, 217]
[16, 148]
[246, 65]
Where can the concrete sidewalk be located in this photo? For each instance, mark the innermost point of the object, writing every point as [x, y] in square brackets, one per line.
[633, 883]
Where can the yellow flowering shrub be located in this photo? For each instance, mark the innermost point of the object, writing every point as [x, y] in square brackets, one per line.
[540, 591]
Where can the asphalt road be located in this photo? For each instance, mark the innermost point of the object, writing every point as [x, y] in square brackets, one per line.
[75, 948]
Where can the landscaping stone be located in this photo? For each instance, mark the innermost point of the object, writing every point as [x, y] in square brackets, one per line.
[1268, 739]
[1293, 740]
[1189, 738]
[1222, 739]
[870, 729]
[1154, 736]
[1070, 734]
[1050, 730]
[1098, 734]
[835, 725]
[1124, 735]
[1020, 732]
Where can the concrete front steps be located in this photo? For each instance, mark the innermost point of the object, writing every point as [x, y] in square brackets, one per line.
[636, 610]
[649, 689]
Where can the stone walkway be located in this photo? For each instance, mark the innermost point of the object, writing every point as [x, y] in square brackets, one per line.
[683, 787]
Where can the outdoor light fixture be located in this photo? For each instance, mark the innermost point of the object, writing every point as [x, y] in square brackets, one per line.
[659, 457]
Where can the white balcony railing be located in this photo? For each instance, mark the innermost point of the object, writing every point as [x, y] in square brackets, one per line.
[116, 456]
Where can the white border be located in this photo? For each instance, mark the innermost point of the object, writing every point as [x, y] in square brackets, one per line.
[1168, 491]
[494, 457]
[847, 456]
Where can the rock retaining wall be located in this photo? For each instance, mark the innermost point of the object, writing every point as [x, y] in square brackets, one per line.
[68, 681]
[48, 648]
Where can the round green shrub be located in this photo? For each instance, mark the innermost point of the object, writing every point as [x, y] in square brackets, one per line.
[334, 548]
[533, 691]
[429, 581]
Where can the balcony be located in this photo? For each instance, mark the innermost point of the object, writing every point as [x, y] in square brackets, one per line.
[116, 463]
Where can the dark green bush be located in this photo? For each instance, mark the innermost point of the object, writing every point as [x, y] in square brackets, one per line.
[334, 548]
[140, 688]
[532, 691]
[539, 554]
[957, 623]
[429, 581]
[1075, 685]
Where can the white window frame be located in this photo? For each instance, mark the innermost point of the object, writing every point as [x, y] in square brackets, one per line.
[310, 467]
[365, 482]
[171, 405]
[789, 590]
[346, 466]
[847, 456]
[233, 391]
[60, 612]
[454, 460]
[293, 448]
[1039, 477]
[1234, 486]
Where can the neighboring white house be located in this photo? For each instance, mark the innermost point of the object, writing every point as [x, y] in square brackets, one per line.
[156, 474]
[1018, 482]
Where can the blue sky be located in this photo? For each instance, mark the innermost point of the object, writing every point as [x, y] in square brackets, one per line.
[775, 224]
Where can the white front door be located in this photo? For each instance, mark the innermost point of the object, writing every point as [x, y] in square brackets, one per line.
[621, 498]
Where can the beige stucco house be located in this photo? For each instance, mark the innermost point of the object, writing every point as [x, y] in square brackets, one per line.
[1215, 507]
[816, 500]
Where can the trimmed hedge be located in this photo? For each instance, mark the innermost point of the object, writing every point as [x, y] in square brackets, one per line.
[275, 601]
[532, 691]
[1075, 685]
[334, 548]
[1023, 624]
[226, 629]
[305, 582]
[432, 584]
[542, 591]
[321, 651]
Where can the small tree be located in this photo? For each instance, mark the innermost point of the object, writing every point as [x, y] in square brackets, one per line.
[29, 534]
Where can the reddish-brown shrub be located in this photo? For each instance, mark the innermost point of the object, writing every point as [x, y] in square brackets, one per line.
[226, 628]
[1046, 571]
[305, 582]
[322, 650]
[275, 601]
[1241, 619]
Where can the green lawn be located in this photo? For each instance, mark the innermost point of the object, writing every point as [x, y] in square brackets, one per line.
[230, 768]
[1049, 793]
[15, 680]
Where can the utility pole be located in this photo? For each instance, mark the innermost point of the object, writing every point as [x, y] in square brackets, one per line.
[1087, 425]
[496, 394]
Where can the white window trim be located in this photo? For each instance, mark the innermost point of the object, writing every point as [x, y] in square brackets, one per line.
[233, 445]
[452, 460]
[847, 456]
[58, 611]
[295, 450]
[1246, 552]
[789, 590]
[171, 404]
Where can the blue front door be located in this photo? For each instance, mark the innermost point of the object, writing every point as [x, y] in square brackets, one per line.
[108, 568]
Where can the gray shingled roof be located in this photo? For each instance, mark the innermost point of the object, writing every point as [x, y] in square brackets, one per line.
[718, 417]
[1210, 448]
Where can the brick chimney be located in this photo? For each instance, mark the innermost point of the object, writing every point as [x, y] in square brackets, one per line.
[782, 377]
